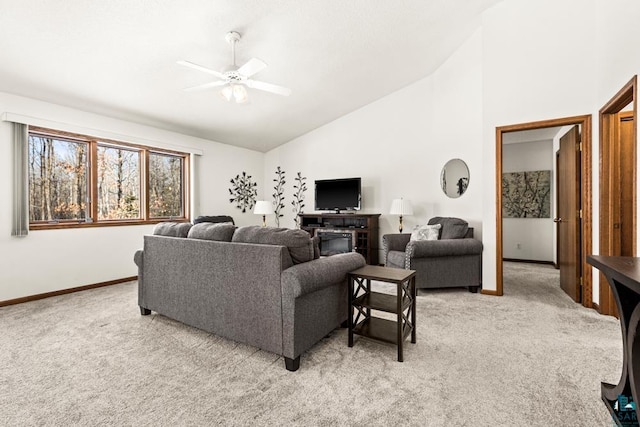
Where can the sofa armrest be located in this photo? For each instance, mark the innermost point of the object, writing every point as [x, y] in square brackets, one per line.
[446, 247]
[308, 277]
[138, 257]
[395, 242]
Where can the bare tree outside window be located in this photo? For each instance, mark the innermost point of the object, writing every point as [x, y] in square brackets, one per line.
[165, 186]
[118, 183]
[57, 179]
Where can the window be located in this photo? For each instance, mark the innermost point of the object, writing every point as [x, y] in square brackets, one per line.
[57, 179]
[165, 185]
[118, 183]
[77, 181]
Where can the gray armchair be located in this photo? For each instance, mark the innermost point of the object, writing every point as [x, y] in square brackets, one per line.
[455, 260]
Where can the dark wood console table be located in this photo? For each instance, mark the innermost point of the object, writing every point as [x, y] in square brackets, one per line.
[365, 227]
[623, 275]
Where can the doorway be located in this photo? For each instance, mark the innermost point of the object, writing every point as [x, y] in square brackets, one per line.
[618, 176]
[584, 292]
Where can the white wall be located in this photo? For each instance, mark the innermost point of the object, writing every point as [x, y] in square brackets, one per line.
[618, 37]
[549, 59]
[531, 60]
[51, 260]
[538, 64]
[529, 238]
[399, 144]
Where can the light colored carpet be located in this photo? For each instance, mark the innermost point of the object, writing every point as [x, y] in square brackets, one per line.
[529, 358]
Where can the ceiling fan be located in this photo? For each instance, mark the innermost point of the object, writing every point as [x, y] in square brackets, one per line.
[234, 80]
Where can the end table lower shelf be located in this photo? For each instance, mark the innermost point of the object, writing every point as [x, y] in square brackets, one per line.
[381, 330]
[403, 304]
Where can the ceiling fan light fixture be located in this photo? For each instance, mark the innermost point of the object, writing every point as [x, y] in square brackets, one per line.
[235, 92]
[240, 94]
[227, 92]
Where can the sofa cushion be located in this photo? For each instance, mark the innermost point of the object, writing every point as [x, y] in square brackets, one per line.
[172, 229]
[452, 228]
[395, 259]
[298, 242]
[426, 232]
[213, 218]
[221, 232]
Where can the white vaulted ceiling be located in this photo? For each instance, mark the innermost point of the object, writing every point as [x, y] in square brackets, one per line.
[118, 58]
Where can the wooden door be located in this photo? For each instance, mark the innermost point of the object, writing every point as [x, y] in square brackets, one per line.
[624, 236]
[617, 199]
[568, 214]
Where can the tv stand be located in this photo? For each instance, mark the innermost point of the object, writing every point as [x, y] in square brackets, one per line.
[364, 225]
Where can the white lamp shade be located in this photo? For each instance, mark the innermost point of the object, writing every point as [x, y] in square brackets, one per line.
[401, 207]
[263, 207]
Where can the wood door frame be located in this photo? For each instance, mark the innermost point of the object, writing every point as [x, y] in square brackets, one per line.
[608, 133]
[557, 190]
[585, 202]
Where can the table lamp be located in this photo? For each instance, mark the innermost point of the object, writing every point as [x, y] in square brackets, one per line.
[263, 208]
[401, 207]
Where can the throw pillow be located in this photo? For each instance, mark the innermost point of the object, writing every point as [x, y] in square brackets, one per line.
[298, 242]
[452, 228]
[221, 232]
[172, 229]
[426, 232]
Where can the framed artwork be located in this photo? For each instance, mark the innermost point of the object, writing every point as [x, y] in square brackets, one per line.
[526, 194]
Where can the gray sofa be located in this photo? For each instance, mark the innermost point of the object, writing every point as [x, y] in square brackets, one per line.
[263, 288]
[454, 260]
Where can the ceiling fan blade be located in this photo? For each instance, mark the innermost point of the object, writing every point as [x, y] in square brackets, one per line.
[268, 87]
[206, 86]
[252, 67]
[201, 68]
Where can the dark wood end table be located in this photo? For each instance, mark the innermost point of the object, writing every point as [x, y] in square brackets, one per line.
[403, 304]
[623, 275]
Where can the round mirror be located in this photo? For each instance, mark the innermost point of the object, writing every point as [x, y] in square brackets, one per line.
[454, 178]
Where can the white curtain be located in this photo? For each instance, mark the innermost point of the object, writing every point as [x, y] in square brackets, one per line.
[20, 226]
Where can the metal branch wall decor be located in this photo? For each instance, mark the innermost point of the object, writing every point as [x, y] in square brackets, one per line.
[299, 188]
[526, 194]
[243, 192]
[278, 195]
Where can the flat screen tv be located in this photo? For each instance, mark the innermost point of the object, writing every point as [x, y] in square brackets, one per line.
[338, 194]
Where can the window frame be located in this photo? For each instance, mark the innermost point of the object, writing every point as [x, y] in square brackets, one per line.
[92, 189]
[94, 202]
[183, 183]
